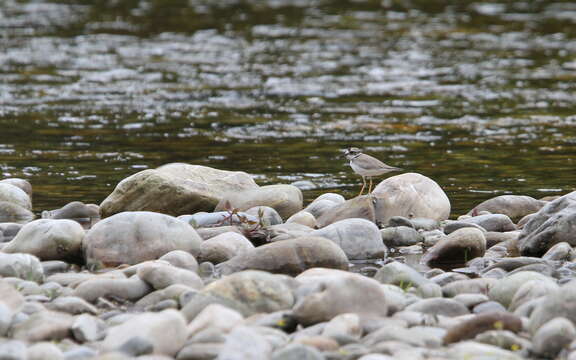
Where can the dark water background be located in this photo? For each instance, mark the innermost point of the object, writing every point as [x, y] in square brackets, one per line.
[478, 96]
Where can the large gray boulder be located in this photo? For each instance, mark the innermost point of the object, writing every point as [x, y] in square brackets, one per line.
[554, 223]
[49, 240]
[285, 199]
[289, 257]
[175, 189]
[410, 195]
[133, 237]
[359, 238]
[514, 206]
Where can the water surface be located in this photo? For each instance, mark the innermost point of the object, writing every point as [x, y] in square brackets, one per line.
[478, 96]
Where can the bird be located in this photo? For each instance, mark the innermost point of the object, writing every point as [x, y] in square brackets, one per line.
[366, 166]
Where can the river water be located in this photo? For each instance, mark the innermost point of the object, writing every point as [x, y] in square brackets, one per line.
[481, 97]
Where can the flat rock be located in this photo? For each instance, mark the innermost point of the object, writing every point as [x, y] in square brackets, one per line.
[128, 289]
[400, 236]
[160, 275]
[175, 189]
[410, 195]
[439, 306]
[505, 289]
[133, 237]
[553, 336]
[289, 257]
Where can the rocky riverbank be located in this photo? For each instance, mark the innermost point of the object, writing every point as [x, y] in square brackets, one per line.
[191, 262]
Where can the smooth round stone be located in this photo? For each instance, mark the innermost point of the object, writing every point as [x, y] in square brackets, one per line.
[20, 183]
[452, 226]
[223, 247]
[207, 233]
[266, 215]
[85, 214]
[22, 266]
[54, 266]
[448, 277]
[72, 305]
[326, 293]
[246, 343]
[503, 291]
[343, 325]
[303, 218]
[359, 238]
[154, 300]
[411, 195]
[487, 307]
[493, 222]
[215, 317]
[553, 336]
[137, 346]
[559, 252]
[200, 351]
[14, 213]
[287, 231]
[337, 198]
[400, 236]
[425, 224]
[49, 240]
[87, 328]
[514, 206]
[458, 247]
[471, 300]
[181, 259]
[160, 276]
[166, 331]
[469, 286]
[495, 237]
[12, 350]
[320, 206]
[558, 303]
[80, 353]
[531, 290]
[134, 237]
[44, 351]
[15, 195]
[248, 292]
[439, 306]
[289, 257]
[129, 289]
[43, 325]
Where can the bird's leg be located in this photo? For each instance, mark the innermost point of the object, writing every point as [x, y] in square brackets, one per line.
[370, 187]
[363, 185]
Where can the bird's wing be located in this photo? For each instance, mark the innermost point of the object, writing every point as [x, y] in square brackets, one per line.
[369, 162]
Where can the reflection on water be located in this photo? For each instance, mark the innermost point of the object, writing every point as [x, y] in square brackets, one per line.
[478, 96]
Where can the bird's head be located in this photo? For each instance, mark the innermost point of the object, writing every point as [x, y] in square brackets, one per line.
[352, 152]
